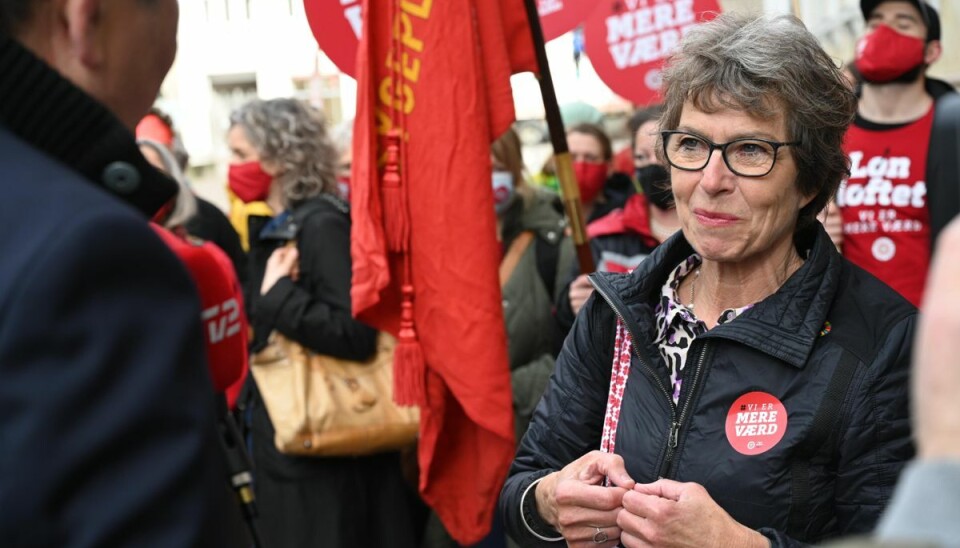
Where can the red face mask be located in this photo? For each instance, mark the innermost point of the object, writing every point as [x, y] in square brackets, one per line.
[884, 55]
[591, 176]
[249, 181]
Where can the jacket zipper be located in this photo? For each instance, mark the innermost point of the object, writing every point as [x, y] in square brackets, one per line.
[675, 431]
[675, 424]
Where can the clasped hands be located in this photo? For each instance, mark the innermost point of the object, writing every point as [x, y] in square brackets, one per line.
[664, 513]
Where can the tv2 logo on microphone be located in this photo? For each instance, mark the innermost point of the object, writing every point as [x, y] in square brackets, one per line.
[222, 320]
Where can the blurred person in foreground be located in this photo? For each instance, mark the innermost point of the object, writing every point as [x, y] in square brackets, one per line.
[281, 155]
[108, 422]
[745, 385]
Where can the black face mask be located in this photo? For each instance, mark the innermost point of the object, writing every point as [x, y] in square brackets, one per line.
[654, 182]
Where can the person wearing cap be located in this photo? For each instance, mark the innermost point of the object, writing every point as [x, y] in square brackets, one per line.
[903, 186]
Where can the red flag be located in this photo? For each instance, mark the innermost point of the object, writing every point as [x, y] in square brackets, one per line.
[433, 93]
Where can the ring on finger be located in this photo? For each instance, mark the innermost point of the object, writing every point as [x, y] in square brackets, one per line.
[600, 536]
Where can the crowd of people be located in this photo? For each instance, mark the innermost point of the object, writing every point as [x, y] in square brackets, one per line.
[746, 367]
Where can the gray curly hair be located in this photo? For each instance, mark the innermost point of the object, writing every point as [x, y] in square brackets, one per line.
[765, 66]
[292, 135]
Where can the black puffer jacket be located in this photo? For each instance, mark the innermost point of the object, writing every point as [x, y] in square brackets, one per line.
[805, 488]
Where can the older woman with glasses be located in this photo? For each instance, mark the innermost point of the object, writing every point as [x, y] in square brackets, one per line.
[745, 385]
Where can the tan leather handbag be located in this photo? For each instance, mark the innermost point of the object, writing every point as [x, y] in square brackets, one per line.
[322, 406]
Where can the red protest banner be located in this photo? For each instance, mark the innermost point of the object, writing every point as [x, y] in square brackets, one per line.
[558, 17]
[433, 93]
[337, 24]
[628, 40]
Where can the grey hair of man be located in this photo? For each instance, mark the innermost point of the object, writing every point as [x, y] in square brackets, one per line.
[292, 136]
[766, 66]
[186, 205]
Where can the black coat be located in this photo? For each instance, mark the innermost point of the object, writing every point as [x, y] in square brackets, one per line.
[325, 501]
[212, 225]
[316, 310]
[107, 430]
[776, 347]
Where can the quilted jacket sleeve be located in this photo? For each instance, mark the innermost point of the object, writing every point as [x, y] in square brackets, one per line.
[876, 443]
[568, 421]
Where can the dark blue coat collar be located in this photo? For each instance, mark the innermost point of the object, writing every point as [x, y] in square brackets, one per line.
[45, 110]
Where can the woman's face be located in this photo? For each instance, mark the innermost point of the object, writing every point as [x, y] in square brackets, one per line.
[727, 217]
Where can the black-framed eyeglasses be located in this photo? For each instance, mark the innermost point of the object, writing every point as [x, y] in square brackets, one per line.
[747, 157]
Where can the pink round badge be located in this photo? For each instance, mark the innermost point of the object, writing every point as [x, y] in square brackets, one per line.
[756, 423]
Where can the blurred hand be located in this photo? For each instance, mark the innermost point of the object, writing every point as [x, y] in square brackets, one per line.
[832, 220]
[576, 503]
[580, 291]
[671, 514]
[936, 371]
[283, 262]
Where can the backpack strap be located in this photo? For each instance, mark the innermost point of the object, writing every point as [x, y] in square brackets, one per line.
[548, 253]
[620, 371]
[515, 252]
[824, 424]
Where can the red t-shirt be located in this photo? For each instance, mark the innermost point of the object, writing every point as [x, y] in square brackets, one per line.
[886, 222]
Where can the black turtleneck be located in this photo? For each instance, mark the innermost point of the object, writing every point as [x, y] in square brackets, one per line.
[51, 114]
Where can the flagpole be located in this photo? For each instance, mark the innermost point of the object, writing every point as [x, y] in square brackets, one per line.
[796, 8]
[569, 191]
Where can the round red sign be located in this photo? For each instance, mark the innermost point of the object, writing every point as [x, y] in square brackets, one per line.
[561, 16]
[756, 423]
[336, 25]
[628, 40]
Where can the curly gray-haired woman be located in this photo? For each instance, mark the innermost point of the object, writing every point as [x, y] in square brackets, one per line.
[745, 385]
[281, 154]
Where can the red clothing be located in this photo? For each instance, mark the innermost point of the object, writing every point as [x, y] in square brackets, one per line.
[623, 161]
[886, 221]
[623, 237]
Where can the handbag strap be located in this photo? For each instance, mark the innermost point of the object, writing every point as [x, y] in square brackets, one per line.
[619, 373]
[513, 256]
